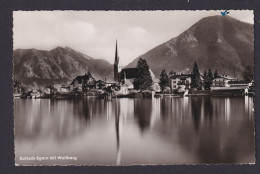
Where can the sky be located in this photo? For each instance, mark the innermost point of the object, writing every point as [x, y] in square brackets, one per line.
[94, 33]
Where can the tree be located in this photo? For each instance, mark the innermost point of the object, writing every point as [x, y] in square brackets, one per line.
[144, 80]
[195, 77]
[172, 73]
[216, 74]
[84, 84]
[89, 74]
[249, 73]
[210, 74]
[91, 79]
[87, 81]
[164, 80]
[208, 79]
[205, 74]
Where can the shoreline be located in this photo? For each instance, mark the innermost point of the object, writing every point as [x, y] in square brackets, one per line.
[134, 95]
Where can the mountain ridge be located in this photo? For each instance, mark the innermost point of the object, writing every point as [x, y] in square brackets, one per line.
[59, 65]
[218, 42]
[214, 42]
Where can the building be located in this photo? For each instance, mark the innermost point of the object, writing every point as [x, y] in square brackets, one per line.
[18, 88]
[225, 85]
[238, 83]
[222, 81]
[156, 87]
[128, 73]
[179, 82]
[49, 90]
[111, 83]
[125, 87]
[84, 82]
[64, 90]
[124, 90]
[127, 76]
[35, 93]
[129, 82]
[100, 84]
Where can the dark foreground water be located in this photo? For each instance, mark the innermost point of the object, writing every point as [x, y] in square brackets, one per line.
[93, 131]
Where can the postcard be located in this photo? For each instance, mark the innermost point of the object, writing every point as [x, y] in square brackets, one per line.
[112, 88]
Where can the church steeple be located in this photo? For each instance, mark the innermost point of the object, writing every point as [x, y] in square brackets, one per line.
[116, 55]
[116, 65]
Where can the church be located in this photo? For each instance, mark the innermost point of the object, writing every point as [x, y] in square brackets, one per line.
[126, 75]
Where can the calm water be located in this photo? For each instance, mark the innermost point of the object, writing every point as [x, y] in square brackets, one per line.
[94, 131]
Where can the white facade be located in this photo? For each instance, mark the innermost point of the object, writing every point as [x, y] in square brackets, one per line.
[222, 81]
[180, 82]
[63, 90]
[156, 87]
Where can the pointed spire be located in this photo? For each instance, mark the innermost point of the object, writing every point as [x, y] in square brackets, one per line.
[116, 65]
[116, 55]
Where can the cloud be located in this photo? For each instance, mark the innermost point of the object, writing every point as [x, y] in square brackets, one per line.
[139, 31]
[94, 32]
[74, 34]
[133, 36]
[46, 31]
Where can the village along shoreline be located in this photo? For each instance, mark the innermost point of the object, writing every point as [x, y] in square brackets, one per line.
[141, 82]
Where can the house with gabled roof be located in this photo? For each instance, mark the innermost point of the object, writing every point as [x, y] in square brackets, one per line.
[222, 81]
[180, 81]
[83, 82]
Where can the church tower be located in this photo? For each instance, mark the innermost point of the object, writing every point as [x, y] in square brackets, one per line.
[116, 65]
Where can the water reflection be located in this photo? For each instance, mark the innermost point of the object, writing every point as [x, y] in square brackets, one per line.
[137, 131]
[142, 113]
[117, 117]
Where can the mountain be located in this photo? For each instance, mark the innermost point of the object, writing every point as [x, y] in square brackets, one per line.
[59, 65]
[218, 42]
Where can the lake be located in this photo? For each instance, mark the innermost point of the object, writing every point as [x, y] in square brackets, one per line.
[126, 131]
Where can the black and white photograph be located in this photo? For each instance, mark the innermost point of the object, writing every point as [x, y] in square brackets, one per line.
[123, 88]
